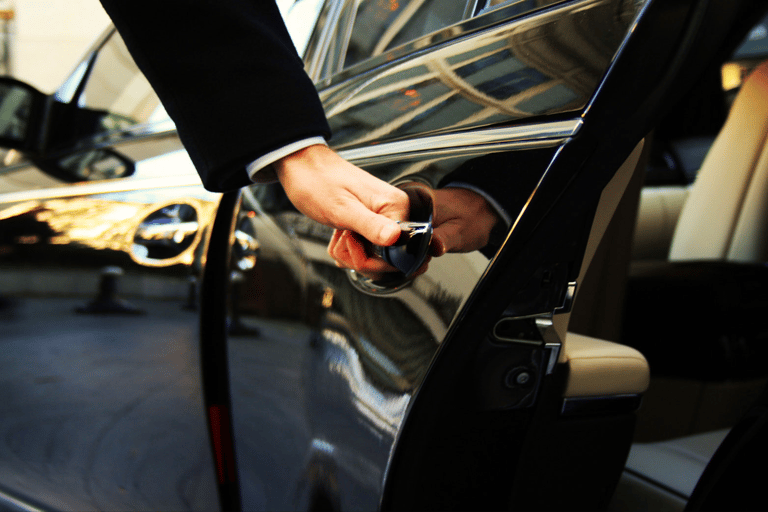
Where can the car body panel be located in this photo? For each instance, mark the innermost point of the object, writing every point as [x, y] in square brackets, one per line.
[357, 367]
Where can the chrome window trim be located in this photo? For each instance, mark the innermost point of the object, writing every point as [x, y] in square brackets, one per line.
[469, 10]
[292, 14]
[346, 36]
[541, 135]
[13, 503]
[66, 92]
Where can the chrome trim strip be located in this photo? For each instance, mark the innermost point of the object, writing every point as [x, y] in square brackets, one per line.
[492, 139]
[515, 137]
[457, 151]
[105, 187]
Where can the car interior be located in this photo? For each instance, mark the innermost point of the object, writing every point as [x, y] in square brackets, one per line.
[686, 249]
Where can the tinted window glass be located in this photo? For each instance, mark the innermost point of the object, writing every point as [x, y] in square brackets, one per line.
[520, 6]
[384, 24]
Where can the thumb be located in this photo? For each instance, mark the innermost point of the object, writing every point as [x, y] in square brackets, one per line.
[448, 238]
[374, 227]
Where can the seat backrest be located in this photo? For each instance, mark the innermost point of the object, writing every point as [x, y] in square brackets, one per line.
[726, 214]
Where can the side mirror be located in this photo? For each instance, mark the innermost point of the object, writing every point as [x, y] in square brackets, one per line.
[23, 110]
[48, 131]
[88, 165]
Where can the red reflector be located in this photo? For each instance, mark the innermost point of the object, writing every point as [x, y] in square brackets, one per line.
[221, 439]
[214, 416]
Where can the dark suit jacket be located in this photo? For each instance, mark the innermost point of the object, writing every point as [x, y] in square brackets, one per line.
[228, 75]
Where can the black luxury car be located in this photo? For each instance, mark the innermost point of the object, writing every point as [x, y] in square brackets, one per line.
[168, 348]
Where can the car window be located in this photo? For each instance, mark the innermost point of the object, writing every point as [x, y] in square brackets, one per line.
[116, 85]
[521, 6]
[384, 24]
[377, 31]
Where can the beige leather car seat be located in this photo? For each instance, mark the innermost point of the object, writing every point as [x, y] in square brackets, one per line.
[725, 218]
[726, 214]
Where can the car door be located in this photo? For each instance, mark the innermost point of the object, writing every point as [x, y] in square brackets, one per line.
[445, 390]
[102, 251]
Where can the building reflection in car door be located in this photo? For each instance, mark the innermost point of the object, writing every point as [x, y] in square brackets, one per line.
[543, 65]
[323, 372]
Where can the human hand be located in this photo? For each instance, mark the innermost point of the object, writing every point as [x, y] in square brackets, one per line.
[332, 191]
[462, 222]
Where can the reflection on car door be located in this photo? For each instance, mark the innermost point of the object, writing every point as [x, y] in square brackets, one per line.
[325, 364]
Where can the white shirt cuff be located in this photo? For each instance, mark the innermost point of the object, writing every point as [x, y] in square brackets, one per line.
[257, 170]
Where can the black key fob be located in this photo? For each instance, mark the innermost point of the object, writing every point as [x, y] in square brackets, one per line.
[410, 250]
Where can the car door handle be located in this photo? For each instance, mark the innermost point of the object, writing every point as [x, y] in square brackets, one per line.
[166, 234]
[411, 249]
[409, 252]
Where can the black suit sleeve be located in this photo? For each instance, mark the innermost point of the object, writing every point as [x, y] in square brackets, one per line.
[228, 75]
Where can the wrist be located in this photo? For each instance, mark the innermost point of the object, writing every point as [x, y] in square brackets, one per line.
[302, 158]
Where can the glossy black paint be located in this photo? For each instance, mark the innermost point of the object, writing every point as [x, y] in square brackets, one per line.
[554, 227]
[357, 369]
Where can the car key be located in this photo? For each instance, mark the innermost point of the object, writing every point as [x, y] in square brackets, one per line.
[410, 250]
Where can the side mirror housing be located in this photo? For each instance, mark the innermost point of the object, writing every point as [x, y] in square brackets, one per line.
[23, 115]
[47, 131]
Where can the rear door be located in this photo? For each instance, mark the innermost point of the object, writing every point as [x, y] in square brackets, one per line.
[357, 393]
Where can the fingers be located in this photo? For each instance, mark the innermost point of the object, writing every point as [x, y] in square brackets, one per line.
[349, 251]
[376, 228]
[332, 191]
[437, 246]
[457, 235]
[463, 221]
